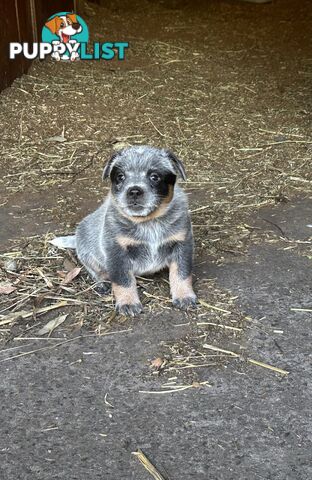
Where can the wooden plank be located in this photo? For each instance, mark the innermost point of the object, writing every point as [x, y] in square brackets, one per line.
[25, 27]
[22, 21]
[10, 69]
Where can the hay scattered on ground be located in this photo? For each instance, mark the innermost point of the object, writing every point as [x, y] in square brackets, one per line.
[39, 280]
[243, 149]
[245, 141]
[46, 295]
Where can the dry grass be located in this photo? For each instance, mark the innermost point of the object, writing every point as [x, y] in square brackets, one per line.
[244, 143]
[231, 172]
[51, 298]
[44, 280]
[148, 465]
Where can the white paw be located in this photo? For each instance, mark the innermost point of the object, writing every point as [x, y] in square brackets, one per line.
[74, 56]
[56, 56]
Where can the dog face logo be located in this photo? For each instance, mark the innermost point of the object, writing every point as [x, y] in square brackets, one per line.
[65, 31]
[64, 26]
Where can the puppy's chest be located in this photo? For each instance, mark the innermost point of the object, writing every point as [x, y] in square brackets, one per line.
[149, 256]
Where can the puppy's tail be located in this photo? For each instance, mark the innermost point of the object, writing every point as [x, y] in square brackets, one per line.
[64, 242]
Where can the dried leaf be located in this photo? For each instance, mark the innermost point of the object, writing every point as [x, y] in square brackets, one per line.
[52, 325]
[12, 317]
[6, 289]
[71, 275]
[69, 265]
[10, 265]
[119, 145]
[196, 384]
[157, 362]
[61, 273]
[57, 138]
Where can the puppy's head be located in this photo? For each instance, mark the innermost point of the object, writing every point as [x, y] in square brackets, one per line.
[64, 26]
[143, 179]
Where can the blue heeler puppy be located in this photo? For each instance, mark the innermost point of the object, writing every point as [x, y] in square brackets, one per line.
[142, 227]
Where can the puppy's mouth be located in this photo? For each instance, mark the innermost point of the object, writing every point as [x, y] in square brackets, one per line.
[135, 207]
[65, 38]
[138, 209]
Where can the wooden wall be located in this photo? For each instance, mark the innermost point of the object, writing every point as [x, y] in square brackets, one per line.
[22, 21]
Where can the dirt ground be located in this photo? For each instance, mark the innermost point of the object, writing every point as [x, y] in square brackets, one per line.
[227, 86]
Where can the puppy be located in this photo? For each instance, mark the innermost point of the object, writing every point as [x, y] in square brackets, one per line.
[142, 227]
[64, 26]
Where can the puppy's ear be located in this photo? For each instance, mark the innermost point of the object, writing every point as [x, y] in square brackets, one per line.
[52, 24]
[177, 164]
[72, 17]
[108, 166]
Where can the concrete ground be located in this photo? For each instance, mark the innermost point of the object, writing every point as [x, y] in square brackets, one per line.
[251, 423]
[79, 410]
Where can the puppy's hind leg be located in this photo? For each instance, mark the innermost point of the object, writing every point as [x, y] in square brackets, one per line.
[97, 272]
[180, 276]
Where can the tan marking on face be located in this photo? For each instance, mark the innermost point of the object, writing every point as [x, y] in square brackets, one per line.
[176, 237]
[180, 288]
[159, 212]
[126, 242]
[169, 196]
[126, 295]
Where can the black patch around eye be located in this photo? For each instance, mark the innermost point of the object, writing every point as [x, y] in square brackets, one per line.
[170, 178]
[116, 181]
[167, 179]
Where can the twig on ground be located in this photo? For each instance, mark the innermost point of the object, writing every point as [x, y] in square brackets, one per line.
[301, 309]
[148, 465]
[250, 360]
[207, 305]
[177, 388]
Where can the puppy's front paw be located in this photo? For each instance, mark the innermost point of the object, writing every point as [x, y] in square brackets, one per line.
[185, 303]
[129, 310]
[56, 55]
[74, 56]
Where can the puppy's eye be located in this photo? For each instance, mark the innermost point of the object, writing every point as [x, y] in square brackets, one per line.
[154, 177]
[120, 178]
[62, 24]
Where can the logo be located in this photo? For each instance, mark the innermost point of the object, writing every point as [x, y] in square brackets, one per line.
[65, 31]
[65, 37]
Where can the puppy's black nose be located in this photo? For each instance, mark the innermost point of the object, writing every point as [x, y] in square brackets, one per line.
[135, 192]
[76, 26]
